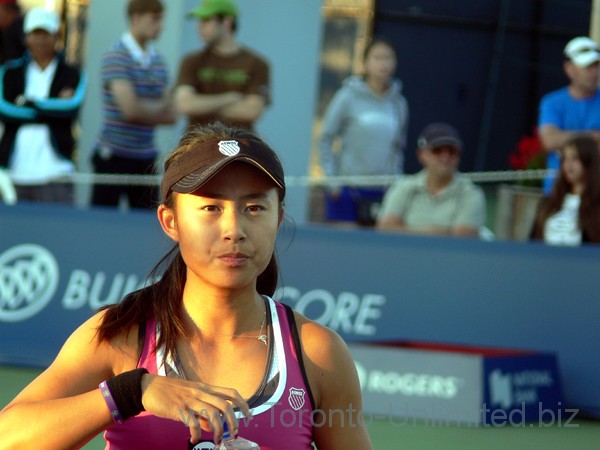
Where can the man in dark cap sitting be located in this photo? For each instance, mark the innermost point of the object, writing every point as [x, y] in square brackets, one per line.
[437, 200]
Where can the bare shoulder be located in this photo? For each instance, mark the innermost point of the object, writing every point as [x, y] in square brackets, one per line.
[118, 350]
[82, 363]
[84, 349]
[327, 359]
[85, 335]
[335, 386]
[317, 340]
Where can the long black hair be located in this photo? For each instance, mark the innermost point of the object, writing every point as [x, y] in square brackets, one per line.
[589, 209]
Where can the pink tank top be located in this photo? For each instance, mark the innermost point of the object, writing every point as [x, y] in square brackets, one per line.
[282, 414]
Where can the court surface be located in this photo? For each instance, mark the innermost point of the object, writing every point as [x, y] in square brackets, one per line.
[406, 434]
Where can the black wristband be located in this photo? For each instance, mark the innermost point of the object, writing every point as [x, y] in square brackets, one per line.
[126, 390]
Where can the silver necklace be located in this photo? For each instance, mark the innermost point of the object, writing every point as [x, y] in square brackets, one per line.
[262, 335]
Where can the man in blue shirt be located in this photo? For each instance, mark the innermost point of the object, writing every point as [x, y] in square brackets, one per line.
[574, 108]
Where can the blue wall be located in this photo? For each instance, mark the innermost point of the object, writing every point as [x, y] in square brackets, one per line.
[58, 264]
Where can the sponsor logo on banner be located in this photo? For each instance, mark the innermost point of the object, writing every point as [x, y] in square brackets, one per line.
[346, 312]
[408, 384]
[30, 275]
[296, 398]
[28, 281]
[514, 388]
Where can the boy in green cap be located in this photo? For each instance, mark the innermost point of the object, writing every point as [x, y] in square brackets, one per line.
[224, 81]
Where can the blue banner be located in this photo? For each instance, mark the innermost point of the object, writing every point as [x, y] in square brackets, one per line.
[59, 264]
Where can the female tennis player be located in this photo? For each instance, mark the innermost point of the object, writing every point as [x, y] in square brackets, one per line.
[205, 345]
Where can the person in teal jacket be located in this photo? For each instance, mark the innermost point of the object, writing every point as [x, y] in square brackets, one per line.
[41, 95]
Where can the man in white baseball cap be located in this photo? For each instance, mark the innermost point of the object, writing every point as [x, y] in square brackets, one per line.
[582, 51]
[574, 108]
[41, 19]
[41, 97]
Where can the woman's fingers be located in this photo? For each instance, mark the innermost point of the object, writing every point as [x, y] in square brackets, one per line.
[208, 418]
[238, 401]
[198, 405]
[190, 420]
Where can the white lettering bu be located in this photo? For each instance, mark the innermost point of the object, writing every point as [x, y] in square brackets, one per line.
[348, 312]
[82, 289]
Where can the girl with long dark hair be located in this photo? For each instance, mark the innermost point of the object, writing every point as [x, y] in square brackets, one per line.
[571, 214]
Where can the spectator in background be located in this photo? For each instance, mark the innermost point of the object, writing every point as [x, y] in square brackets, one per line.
[136, 99]
[225, 81]
[12, 38]
[571, 214]
[41, 97]
[574, 108]
[436, 200]
[369, 117]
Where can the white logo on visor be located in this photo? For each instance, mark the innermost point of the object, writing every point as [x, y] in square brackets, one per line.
[229, 148]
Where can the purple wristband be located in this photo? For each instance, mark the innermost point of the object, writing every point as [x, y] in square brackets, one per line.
[110, 402]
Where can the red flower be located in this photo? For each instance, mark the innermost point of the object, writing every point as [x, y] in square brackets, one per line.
[528, 154]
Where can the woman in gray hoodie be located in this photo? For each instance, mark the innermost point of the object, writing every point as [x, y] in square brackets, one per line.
[369, 116]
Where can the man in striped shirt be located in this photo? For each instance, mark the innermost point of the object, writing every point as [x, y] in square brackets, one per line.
[136, 98]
